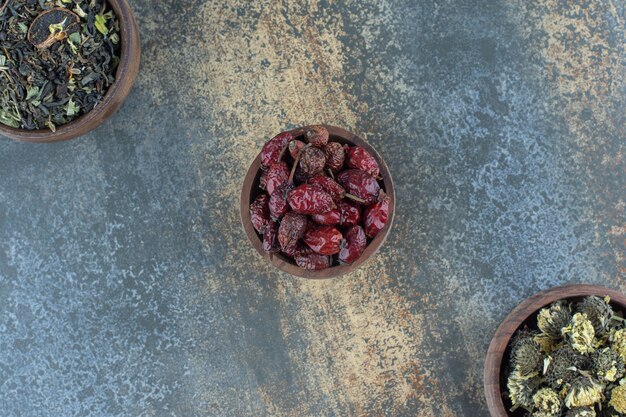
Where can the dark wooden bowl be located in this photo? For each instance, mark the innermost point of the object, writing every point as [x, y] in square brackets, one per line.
[130, 56]
[251, 190]
[526, 314]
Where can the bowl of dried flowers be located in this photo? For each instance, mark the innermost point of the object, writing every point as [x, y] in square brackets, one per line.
[560, 353]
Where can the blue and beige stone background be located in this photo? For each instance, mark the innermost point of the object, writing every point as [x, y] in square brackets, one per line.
[128, 288]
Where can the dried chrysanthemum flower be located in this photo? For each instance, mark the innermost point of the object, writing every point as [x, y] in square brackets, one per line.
[618, 399]
[563, 366]
[598, 311]
[545, 342]
[543, 414]
[580, 333]
[584, 392]
[552, 319]
[581, 412]
[618, 342]
[607, 365]
[547, 400]
[521, 390]
[526, 356]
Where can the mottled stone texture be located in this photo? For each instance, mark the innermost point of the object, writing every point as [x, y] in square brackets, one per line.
[127, 285]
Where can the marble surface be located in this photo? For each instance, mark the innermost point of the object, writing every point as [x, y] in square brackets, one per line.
[128, 287]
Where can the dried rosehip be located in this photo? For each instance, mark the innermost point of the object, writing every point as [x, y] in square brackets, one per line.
[309, 199]
[330, 218]
[298, 248]
[375, 217]
[301, 176]
[278, 205]
[325, 240]
[263, 180]
[313, 261]
[335, 156]
[336, 191]
[312, 160]
[292, 228]
[353, 245]
[360, 184]
[359, 158]
[350, 213]
[274, 147]
[259, 213]
[294, 148]
[270, 238]
[276, 175]
[316, 136]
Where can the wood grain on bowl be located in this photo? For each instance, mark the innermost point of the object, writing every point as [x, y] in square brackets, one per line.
[250, 190]
[130, 57]
[525, 313]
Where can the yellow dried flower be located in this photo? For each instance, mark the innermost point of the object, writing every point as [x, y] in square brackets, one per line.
[520, 390]
[618, 399]
[526, 357]
[607, 365]
[581, 412]
[547, 400]
[563, 366]
[580, 333]
[552, 319]
[598, 311]
[619, 343]
[545, 342]
[584, 392]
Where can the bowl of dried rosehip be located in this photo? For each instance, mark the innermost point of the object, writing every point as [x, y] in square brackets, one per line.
[317, 202]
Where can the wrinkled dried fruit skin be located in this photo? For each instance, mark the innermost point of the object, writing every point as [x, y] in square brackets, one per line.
[335, 156]
[349, 213]
[312, 161]
[325, 240]
[278, 205]
[263, 180]
[276, 175]
[353, 246]
[336, 191]
[309, 199]
[316, 136]
[359, 158]
[331, 218]
[298, 248]
[272, 149]
[375, 216]
[313, 262]
[360, 184]
[294, 148]
[300, 176]
[259, 213]
[292, 228]
[270, 238]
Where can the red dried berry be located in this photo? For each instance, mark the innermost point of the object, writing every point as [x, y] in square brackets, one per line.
[309, 199]
[276, 175]
[335, 156]
[330, 218]
[312, 160]
[270, 238]
[360, 184]
[316, 136]
[313, 261]
[298, 248]
[375, 217]
[325, 240]
[292, 228]
[259, 213]
[278, 205]
[263, 180]
[359, 158]
[349, 213]
[336, 191]
[294, 148]
[353, 245]
[274, 147]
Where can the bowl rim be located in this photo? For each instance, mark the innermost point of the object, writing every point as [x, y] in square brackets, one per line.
[512, 322]
[128, 67]
[281, 262]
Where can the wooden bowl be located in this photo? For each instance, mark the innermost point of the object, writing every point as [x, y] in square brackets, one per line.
[526, 314]
[116, 94]
[251, 190]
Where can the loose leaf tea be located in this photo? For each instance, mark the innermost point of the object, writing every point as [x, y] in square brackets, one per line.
[573, 363]
[57, 60]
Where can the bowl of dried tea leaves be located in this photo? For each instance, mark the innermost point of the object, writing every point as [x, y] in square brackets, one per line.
[65, 66]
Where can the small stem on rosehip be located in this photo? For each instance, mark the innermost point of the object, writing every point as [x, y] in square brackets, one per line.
[355, 198]
[282, 153]
[330, 172]
[295, 164]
